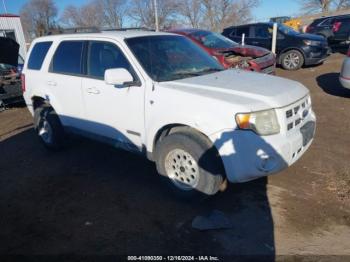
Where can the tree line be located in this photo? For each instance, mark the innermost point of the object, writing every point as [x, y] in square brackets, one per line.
[41, 16]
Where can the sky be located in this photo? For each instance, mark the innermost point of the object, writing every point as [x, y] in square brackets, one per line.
[266, 9]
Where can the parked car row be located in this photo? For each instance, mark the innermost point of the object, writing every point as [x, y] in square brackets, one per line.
[293, 49]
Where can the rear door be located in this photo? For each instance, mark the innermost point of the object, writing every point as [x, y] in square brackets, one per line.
[63, 82]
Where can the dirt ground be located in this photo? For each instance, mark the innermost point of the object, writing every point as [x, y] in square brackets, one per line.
[91, 199]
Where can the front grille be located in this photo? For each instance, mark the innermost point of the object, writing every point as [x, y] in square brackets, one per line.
[296, 113]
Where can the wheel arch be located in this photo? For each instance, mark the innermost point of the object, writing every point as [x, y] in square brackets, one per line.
[171, 129]
[38, 101]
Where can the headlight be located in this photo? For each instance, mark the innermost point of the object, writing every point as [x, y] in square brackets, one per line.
[313, 43]
[263, 122]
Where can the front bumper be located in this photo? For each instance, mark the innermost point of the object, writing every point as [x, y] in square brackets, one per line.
[345, 73]
[316, 55]
[247, 156]
[345, 82]
[11, 92]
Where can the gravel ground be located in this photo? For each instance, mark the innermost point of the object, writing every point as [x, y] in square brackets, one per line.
[93, 200]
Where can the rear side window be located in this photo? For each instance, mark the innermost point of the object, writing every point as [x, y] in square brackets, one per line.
[262, 31]
[68, 58]
[38, 54]
[242, 30]
[327, 22]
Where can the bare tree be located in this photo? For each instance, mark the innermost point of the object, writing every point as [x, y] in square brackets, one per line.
[342, 4]
[142, 11]
[114, 12]
[222, 13]
[312, 6]
[88, 15]
[38, 17]
[192, 12]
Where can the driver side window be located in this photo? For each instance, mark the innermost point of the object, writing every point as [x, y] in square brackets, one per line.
[102, 56]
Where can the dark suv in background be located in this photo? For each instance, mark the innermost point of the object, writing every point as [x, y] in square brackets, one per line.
[335, 28]
[293, 49]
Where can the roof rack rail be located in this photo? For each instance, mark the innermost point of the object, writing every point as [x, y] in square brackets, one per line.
[129, 29]
[74, 30]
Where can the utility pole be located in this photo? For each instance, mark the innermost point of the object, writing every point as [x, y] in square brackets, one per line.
[156, 14]
[3, 3]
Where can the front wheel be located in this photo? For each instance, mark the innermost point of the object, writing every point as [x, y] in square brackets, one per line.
[292, 60]
[191, 166]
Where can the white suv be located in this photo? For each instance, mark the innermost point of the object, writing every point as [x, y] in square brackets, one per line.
[160, 95]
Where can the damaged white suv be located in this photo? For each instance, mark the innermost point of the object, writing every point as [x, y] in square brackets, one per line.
[160, 95]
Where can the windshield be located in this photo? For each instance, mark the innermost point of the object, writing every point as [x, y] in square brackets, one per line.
[169, 57]
[213, 40]
[287, 30]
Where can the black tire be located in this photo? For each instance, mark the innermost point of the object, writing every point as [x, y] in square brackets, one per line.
[210, 169]
[292, 60]
[45, 115]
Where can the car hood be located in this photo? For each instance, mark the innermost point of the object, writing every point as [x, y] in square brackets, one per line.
[249, 89]
[9, 51]
[246, 50]
[311, 37]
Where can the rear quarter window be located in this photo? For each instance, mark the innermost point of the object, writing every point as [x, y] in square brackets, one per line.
[38, 54]
[68, 58]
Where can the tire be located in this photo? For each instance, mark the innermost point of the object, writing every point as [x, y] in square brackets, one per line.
[292, 60]
[190, 165]
[48, 128]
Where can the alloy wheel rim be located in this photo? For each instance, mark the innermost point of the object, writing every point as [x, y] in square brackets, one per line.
[292, 61]
[45, 132]
[182, 169]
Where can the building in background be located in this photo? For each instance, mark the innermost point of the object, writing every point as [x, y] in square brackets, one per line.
[10, 26]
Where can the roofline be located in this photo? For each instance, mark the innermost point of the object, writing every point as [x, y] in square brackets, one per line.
[186, 31]
[257, 23]
[9, 15]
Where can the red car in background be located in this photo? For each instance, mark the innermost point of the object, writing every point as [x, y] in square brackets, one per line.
[231, 54]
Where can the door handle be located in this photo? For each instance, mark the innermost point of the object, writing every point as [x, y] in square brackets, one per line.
[51, 83]
[93, 90]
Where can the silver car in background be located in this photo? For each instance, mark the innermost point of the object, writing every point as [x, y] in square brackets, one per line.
[345, 72]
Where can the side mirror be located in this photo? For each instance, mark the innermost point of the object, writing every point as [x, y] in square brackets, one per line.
[118, 76]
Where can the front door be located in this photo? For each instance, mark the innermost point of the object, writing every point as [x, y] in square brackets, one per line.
[113, 113]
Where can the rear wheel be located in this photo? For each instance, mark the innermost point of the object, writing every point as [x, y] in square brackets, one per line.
[292, 60]
[48, 127]
[190, 165]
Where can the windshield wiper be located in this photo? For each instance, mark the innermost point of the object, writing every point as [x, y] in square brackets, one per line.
[195, 73]
[208, 70]
[185, 74]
